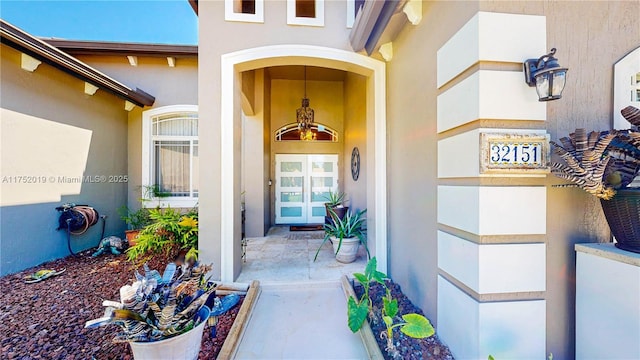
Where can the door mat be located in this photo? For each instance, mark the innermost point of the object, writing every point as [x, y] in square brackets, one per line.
[305, 227]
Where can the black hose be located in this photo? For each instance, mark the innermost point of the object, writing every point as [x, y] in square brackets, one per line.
[69, 237]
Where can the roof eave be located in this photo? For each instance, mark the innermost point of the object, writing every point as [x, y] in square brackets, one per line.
[32, 46]
[81, 47]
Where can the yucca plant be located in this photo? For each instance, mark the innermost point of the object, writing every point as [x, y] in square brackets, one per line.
[349, 226]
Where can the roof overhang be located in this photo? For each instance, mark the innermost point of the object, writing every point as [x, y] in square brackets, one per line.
[376, 23]
[80, 47]
[36, 48]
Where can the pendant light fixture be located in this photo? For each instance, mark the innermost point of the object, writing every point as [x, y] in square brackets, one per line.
[304, 115]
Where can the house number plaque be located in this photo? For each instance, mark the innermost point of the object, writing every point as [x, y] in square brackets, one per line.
[514, 153]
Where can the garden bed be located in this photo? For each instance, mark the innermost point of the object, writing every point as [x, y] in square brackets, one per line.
[408, 348]
[46, 320]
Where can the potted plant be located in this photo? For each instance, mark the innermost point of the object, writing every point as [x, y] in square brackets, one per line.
[135, 220]
[138, 219]
[171, 233]
[335, 202]
[346, 235]
[605, 163]
[162, 316]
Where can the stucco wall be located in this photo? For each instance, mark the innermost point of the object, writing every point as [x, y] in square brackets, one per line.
[412, 171]
[218, 37]
[170, 85]
[589, 43]
[355, 133]
[51, 129]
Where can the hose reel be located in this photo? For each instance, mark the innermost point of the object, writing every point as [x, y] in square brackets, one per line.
[77, 219]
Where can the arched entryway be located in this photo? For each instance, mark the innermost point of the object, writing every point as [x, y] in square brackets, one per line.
[232, 65]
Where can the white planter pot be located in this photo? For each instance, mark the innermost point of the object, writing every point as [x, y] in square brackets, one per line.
[182, 347]
[348, 249]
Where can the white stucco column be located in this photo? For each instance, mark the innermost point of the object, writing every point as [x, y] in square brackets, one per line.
[491, 228]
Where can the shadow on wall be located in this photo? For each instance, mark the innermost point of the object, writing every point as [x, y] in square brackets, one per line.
[28, 236]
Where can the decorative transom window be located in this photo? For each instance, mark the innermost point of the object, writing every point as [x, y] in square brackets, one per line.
[305, 12]
[244, 10]
[170, 155]
[320, 132]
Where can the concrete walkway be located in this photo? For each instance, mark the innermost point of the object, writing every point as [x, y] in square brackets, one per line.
[300, 321]
[285, 256]
[302, 310]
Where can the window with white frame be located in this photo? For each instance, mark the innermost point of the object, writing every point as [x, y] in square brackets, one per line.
[305, 12]
[244, 10]
[170, 155]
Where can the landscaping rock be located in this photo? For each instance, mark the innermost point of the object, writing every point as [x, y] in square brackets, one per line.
[45, 320]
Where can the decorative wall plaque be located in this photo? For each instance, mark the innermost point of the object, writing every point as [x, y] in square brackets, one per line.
[514, 153]
[355, 164]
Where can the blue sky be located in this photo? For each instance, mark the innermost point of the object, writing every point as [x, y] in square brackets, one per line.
[147, 21]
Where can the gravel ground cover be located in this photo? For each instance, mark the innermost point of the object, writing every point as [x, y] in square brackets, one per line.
[408, 348]
[45, 320]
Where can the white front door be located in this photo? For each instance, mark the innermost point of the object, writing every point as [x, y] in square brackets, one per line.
[302, 183]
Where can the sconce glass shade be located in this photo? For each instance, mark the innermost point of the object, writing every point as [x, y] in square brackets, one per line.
[546, 75]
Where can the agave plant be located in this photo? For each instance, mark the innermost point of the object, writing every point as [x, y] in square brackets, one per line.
[349, 226]
[601, 162]
[158, 307]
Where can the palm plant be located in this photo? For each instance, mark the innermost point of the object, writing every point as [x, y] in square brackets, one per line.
[349, 226]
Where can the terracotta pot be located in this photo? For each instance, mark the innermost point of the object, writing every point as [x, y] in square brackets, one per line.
[132, 235]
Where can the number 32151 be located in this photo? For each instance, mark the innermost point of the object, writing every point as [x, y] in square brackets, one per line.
[515, 153]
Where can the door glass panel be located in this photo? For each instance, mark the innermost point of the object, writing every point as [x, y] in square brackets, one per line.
[290, 211]
[322, 181]
[291, 181]
[319, 196]
[290, 166]
[321, 166]
[291, 197]
[318, 211]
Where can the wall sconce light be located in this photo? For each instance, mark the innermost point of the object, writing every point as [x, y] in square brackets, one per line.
[546, 75]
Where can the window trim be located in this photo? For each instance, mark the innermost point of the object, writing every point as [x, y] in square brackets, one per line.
[147, 151]
[292, 19]
[230, 15]
[351, 13]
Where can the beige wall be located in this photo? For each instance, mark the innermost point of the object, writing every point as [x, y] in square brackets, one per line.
[412, 172]
[355, 135]
[589, 44]
[170, 86]
[590, 38]
[51, 129]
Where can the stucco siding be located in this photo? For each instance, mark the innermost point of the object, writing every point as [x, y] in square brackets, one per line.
[588, 43]
[412, 162]
[51, 129]
[170, 85]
